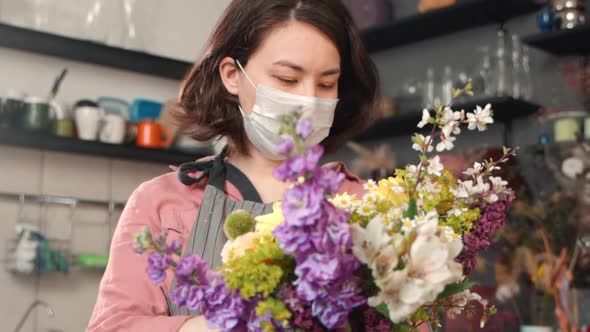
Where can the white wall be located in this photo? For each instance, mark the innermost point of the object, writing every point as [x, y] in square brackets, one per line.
[179, 29]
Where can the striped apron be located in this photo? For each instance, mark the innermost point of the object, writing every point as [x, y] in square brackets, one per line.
[207, 237]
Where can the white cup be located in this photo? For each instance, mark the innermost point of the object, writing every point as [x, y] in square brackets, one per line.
[88, 120]
[113, 129]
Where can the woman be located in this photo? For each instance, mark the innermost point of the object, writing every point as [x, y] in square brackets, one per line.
[264, 57]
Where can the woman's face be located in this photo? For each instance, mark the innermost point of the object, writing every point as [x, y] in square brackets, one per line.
[295, 58]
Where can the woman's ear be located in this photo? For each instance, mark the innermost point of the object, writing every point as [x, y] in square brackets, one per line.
[229, 72]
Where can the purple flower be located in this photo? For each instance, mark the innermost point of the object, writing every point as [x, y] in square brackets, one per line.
[255, 322]
[174, 248]
[299, 166]
[302, 204]
[300, 309]
[223, 307]
[192, 270]
[179, 295]
[333, 308]
[313, 154]
[303, 128]
[157, 266]
[328, 179]
[294, 240]
[492, 218]
[160, 238]
[319, 272]
[286, 146]
[291, 169]
[374, 321]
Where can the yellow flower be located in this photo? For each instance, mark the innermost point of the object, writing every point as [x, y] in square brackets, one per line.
[390, 189]
[268, 222]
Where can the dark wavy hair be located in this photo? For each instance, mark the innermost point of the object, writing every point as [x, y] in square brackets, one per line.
[209, 110]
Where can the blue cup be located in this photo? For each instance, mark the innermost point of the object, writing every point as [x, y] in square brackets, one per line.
[546, 20]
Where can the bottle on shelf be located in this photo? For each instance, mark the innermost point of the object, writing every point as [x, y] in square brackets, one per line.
[527, 80]
[502, 79]
[516, 67]
[429, 89]
[446, 94]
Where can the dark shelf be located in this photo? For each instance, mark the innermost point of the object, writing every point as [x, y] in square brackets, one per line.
[563, 42]
[91, 52]
[461, 16]
[505, 109]
[36, 140]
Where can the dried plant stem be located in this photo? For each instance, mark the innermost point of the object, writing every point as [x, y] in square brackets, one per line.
[557, 272]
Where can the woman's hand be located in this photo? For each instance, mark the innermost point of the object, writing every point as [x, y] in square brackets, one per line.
[196, 324]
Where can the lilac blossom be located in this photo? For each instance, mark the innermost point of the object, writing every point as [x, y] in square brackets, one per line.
[157, 265]
[492, 218]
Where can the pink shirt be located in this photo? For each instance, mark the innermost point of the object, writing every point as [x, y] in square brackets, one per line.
[127, 298]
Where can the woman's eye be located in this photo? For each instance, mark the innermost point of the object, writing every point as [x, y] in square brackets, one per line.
[326, 86]
[287, 80]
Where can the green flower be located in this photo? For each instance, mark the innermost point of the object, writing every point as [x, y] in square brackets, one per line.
[238, 223]
[260, 270]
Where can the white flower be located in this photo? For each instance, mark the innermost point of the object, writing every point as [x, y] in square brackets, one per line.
[572, 167]
[237, 247]
[368, 242]
[366, 209]
[452, 127]
[480, 118]
[412, 171]
[344, 201]
[450, 235]
[498, 184]
[446, 143]
[370, 198]
[461, 300]
[425, 118]
[435, 167]
[465, 189]
[420, 142]
[430, 266]
[408, 224]
[398, 189]
[477, 168]
[507, 291]
[370, 185]
[456, 211]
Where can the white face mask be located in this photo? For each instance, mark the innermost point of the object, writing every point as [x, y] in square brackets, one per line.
[263, 124]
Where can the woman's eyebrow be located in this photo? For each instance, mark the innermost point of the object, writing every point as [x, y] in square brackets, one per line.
[296, 67]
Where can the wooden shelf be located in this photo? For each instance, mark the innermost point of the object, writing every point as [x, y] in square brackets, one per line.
[464, 15]
[91, 52]
[563, 42]
[36, 140]
[505, 109]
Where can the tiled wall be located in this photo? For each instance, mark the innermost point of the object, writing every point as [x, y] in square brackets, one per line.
[37, 172]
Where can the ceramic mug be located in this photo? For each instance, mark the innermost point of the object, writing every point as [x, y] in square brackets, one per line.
[113, 129]
[88, 120]
[11, 110]
[151, 134]
[38, 114]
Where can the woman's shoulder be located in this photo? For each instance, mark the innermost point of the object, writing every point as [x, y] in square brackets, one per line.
[352, 184]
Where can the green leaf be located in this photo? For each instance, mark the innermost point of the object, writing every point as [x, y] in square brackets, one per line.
[402, 327]
[382, 308]
[412, 211]
[454, 289]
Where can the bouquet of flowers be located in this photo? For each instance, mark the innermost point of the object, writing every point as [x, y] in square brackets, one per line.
[390, 260]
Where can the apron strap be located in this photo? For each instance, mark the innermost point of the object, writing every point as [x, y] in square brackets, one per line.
[217, 172]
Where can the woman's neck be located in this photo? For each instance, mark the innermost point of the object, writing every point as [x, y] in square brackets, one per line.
[259, 171]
